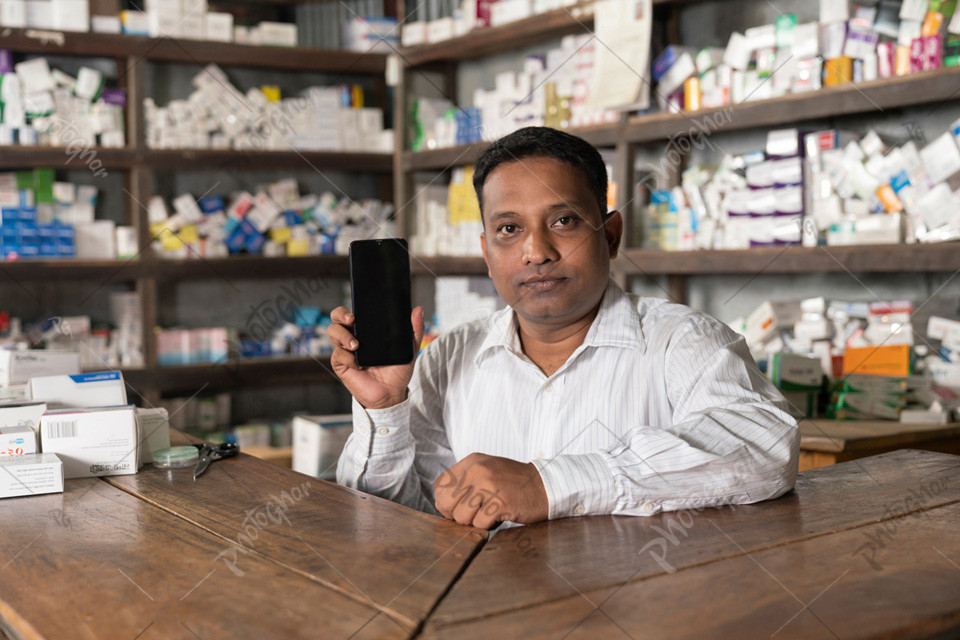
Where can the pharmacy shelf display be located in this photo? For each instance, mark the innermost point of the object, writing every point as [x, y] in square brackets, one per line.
[106, 45]
[888, 258]
[147, 272]
[631, 132]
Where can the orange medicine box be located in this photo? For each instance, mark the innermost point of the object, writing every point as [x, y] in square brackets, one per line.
[893, 360]
[838, 71]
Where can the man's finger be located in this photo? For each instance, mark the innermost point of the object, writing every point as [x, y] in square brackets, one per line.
[343, 359]
[342, 315]
[469, 504]
[341, 337]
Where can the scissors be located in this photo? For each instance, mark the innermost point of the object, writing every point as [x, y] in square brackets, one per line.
[211, 452]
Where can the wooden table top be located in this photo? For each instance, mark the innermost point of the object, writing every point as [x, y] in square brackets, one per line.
[249, 549]
[864, 549]
[868, 548]
[835, 436]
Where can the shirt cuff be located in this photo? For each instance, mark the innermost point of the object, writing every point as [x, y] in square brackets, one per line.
[577, 485]
[385, 428]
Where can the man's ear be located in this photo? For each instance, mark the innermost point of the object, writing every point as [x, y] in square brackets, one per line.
[613, 230]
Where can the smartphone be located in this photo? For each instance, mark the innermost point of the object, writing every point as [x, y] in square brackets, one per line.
[380, 286]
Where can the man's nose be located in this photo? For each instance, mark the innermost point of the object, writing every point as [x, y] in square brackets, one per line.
[538, 247]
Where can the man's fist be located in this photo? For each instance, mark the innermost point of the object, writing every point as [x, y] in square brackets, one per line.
[486, 490]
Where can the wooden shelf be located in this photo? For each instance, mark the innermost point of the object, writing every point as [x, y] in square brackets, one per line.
[888, 93]
[253, 267]
[197, 52]
[213, 159]
[440, 159]
[197, 159]
[509, 37]
[251, 372]
[915, 258]
[16, 157]
[536, 29]
[307, 267]
[31, 270]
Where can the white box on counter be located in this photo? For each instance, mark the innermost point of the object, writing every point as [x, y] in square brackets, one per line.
[31, 474]
[318, 442]
[17, 441]
[22, 414]
[17, 367]
[101, 441]
[153, 426]
[101, 389]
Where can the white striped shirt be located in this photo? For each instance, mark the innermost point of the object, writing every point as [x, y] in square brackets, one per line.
[660, 408]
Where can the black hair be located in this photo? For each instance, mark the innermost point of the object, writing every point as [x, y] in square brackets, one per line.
[550, 143]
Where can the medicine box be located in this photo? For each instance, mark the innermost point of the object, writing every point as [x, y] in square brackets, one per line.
[891, 360]
[80, 390]
[31, 474]
[102, 441]
[795, 373]
[17, 441]
[17, 367]
[767, 319]
[318, 442]
[22, 414]
[153, 426]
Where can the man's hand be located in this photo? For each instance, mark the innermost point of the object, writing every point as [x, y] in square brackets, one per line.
[373, 387]
[485, 490]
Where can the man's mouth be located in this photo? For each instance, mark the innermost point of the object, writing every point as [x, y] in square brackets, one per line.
[544, 283]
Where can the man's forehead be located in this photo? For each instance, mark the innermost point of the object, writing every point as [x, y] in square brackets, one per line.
[533, 173]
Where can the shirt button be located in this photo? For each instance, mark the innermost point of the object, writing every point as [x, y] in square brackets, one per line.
[579, 510]
[547, 388]
[647, 507]
[383, 431]
[541, 455]
[358, 468]
[363, 429]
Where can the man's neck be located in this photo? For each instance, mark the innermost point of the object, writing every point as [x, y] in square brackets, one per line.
[550, 346]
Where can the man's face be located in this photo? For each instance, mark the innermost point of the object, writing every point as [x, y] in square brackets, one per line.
[546, 248]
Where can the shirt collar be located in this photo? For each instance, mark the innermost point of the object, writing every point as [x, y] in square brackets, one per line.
[617, 325]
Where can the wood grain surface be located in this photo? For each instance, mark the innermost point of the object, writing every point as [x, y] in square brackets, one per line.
[554, 561]
[852, 435]
[807, 590]
[812, 589]
[375, 551]
[96, 562]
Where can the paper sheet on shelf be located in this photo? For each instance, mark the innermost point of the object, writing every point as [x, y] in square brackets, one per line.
[622, 65]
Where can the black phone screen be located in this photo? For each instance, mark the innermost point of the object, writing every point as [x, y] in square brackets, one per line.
[380, 286]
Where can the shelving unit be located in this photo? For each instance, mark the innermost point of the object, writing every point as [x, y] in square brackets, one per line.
[106, 45]
[630, 133]
[148, 272]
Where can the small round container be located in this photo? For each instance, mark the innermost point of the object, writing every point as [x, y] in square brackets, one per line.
[175, 457]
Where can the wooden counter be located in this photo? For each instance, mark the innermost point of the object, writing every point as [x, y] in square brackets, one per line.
[824, 442]
[249, 549]
[863, 549]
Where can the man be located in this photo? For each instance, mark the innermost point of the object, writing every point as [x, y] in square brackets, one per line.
[578, 398]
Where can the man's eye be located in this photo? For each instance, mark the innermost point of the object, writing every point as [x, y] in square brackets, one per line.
[507, 228]
[566, 221]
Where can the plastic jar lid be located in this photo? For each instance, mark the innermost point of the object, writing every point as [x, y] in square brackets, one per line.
[175, 457]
